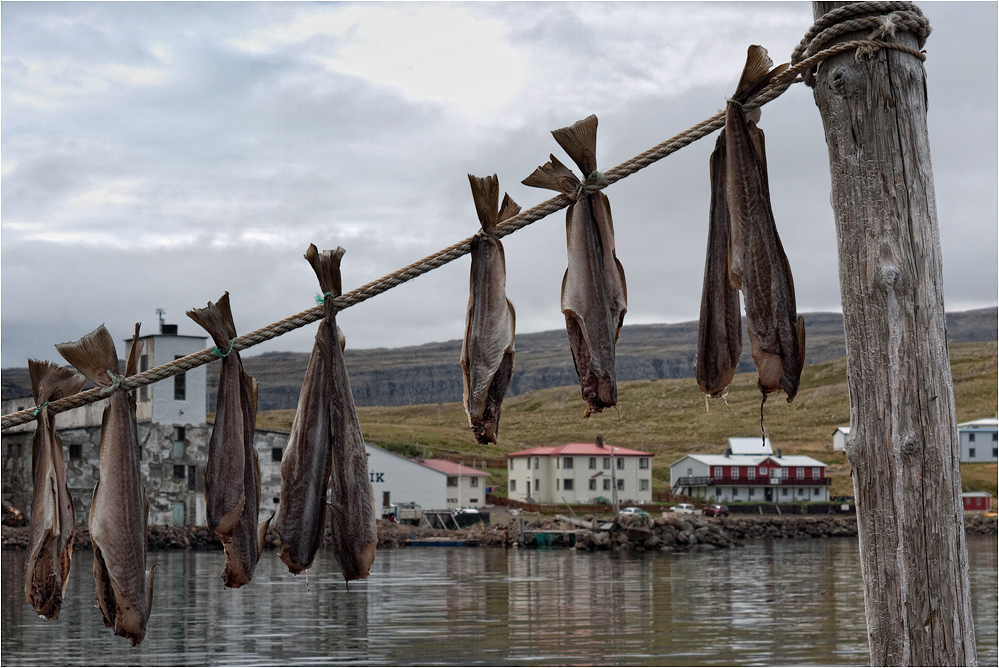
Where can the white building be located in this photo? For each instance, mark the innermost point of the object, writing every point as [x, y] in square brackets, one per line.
[749, 445]
[747, 478]
[578, 473]
[465, 486]
[840, 438]
[979, 440]
[179, 400]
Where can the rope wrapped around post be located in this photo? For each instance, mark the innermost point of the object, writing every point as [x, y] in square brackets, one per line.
[771, 92]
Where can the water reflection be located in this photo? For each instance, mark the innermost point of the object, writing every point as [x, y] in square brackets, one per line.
[794, 602]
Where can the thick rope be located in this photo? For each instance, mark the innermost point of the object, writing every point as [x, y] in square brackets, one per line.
[777, 86]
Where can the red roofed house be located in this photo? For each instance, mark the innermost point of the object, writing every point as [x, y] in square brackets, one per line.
[579, 472]
[466, 487]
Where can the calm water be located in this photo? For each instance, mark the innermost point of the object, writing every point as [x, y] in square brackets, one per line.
[779, 602]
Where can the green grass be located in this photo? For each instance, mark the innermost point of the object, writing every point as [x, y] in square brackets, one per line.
[668, 418]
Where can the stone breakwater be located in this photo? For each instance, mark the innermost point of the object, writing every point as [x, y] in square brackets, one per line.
[679, 532]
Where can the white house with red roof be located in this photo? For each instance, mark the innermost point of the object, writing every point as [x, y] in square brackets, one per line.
[465, 486]
[763, 478]
[578, 473]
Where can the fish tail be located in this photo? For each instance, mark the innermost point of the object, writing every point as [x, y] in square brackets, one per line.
[756, 74]
[262, 535]
[553, 175]
[508, 208]
[485, 194]
[49, 381]
[132, 364]
[579, 140]
[93, 355]
[216, 319]
[327, 268]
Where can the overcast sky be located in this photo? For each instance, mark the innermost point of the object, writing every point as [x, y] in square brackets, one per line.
[155, 155]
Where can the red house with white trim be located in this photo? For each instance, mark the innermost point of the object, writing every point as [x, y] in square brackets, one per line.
[765, 478]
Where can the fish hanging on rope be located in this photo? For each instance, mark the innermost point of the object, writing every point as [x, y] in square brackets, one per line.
[51, 527]
[232, 476]
[757, 263]
[487, 350]
[326, 448]
[118, 514]
[594, 292]
[719, 331]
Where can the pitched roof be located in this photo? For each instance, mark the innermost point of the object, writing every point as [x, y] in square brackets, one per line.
[752, 460]
[984, 423]
[580, 450]
[753, 445]
[450, 468]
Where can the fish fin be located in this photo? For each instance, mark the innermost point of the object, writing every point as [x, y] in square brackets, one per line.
[49, 381]
[341, 339]
[93, 355]
[553, 175]
[327, 268]
[262, 535]
[579, 140]
[485, 194]
[132, 364]
[508, 208]
[216, 319]
[756, 74]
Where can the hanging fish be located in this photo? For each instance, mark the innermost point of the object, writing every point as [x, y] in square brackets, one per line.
[719, 331]
[51, 527]
[594, 292]
[487, 350]
[232, 477]
[326, 448]
[757, 263]
[120, 508]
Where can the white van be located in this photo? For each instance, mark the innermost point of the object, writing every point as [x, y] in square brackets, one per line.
[683, 508]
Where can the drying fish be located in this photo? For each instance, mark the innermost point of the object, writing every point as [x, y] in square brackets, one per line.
[119, 510]
[719, 332]
[487, 350]
[757, 263]
[594, 293]
[232, 477]
[326, 448]
[51, 527]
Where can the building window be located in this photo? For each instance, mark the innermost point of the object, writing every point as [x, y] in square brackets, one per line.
[717, 491]
[971, 453]
[475, 481]
[643, 485]
[76, 451]
[537, 463]
[143, 366]
[620, 485]
[452, 481]
[751, 492]
[995, 452]
[784, 492]
[801, 491]
[735, 492]
[567, 484]
[277, 454]
[735, 472]
[179, 433]
[620, 463]
[606, 484]
[799, 472]
[593, 484]
[816, 473]
[511, 464]
[452, 500]
[763, 471]
[782, 472]
[192, 478]
[606, 462]
[593, 462]
[472, 502]
[567, 462]
[179, 384]
[995, 437]
[178, 450]
[537, 485]
[643, 462]
[718, 471]
[179, 470]
[971, 437]
[816, 492]
[513, 485]
[751, 472]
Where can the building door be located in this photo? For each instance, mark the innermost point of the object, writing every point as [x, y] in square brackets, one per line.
[768, 493]
[192, 478]
[528, 489]
[178, 513]
[386, 499]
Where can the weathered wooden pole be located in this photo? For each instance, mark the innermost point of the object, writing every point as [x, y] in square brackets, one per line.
[903, 446]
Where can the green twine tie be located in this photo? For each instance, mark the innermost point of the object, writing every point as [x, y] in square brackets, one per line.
[321, 299]
[39, 409]
[222, 355]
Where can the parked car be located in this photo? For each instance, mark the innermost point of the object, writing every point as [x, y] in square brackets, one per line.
[633, 511]
[716, 510]
[683, 508]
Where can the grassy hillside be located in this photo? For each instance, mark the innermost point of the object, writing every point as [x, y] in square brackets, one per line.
[668, 418]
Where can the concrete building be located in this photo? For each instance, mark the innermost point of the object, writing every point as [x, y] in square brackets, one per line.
[466, 487]
[578, 473]
[747, 478]
[979, 440]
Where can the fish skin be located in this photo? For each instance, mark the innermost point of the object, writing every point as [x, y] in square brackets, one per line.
[719, 332]
[232, 475]
[487, 350]
[52, 521]
[757, 262]
[119, 511]
[594, 291]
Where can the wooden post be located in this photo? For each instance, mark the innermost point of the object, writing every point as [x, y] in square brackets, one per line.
[903, 446]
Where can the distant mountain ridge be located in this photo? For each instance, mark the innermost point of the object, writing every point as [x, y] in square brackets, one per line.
[430, 373]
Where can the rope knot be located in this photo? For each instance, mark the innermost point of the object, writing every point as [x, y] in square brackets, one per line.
[38, 410]
[593, 182]
[116, 380]
[321, 298]
[218, 351]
